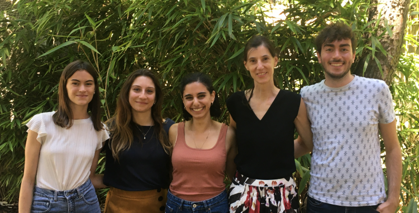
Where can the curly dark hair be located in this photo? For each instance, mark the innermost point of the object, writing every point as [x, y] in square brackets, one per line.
[333, 32]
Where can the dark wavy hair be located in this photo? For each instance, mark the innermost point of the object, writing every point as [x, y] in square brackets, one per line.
[121, 125]
[336, 31]
[204, 79]
[63, 117]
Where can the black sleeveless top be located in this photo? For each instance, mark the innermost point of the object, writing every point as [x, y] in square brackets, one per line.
[144, 166]
[266, 146]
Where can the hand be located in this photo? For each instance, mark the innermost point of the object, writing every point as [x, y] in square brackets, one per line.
[388, 207]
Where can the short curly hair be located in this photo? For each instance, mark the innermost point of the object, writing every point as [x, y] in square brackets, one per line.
[333, 32]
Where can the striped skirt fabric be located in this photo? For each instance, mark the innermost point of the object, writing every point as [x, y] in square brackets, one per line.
[260, 196]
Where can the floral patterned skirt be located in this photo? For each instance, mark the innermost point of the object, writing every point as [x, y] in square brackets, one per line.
[260, 196]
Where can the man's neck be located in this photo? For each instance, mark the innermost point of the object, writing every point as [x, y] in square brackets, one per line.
[336, 83]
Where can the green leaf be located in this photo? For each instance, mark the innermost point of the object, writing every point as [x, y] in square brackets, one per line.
[303, 182]
[236, 53]
[230, 25]
[203, 5]
[412, 207]
[92, 23]
[89, 46]
[367, 59]
[57, 48]
[379, 66]
[390, 32]
[373, 42]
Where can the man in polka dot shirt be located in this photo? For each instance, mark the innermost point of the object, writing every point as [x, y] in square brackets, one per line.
[347, 114]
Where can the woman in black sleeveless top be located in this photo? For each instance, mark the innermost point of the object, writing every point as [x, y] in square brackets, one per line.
[265, 118]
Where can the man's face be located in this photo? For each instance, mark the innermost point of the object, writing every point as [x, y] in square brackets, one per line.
[336, 58]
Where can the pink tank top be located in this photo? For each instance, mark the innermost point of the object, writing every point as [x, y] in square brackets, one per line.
[198, 174]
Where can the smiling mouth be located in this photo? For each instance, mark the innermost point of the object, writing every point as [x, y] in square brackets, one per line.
[336, 64]
[198, 109]
[262, 73]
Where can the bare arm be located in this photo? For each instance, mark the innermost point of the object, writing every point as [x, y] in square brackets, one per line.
[231, 153]
[173, 134]
[304, 143]
[32, 149]
[394, 166]
[97, 179]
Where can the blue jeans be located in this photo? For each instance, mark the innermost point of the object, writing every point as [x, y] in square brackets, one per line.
[217, 204]
[315, 206]
[82, 199]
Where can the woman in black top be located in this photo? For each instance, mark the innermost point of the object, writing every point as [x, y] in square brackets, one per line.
[138, 162]
[265, 118]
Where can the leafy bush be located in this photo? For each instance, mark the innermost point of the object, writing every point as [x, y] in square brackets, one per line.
[172, 38]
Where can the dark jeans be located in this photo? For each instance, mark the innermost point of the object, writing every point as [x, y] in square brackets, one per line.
[217, 204]
[315, 206]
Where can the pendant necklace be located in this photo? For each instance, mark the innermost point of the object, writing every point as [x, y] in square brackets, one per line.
[143, 132]
[194, 141]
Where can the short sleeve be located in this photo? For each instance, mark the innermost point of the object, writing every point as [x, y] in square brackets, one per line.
[37, 124]
[103, 136]
[385, 104]
[303, 91]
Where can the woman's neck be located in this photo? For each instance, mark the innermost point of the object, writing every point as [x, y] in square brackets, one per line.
[200, 125]
[265, 91]
[79, 112]
[143, 119]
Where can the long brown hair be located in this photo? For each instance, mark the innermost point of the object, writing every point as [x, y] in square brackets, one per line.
[64, 116]
[121, 124]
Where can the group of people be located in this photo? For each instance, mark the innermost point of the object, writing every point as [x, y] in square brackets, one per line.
[157, 165]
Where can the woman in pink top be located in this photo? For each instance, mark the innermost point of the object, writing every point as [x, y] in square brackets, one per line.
[203, 151]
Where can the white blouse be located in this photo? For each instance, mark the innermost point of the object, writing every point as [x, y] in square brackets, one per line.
[66, 154]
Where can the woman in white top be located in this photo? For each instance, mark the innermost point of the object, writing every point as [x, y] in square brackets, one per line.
[62, 147]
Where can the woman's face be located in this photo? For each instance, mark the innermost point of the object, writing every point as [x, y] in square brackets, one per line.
[197, 99]
[80, 88]
[260, 63]
[142, 94]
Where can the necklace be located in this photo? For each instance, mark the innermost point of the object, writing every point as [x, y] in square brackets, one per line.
[194, 141]
[143, 132]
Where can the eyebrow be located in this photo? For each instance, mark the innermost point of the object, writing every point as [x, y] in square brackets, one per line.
[79, 80]
[256, 57]
[331, 45]
[199, 93]
[140, 86]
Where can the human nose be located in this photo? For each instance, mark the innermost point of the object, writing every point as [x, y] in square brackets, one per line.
[82, 88]
[336, 54]
[141, 94]
[259, 64]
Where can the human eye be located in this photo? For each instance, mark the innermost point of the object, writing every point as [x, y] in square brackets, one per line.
[201, 96]
[188, 98]
[150, 91]
[75, 83]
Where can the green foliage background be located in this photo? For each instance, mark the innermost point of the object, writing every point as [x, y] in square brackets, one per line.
[173, 38]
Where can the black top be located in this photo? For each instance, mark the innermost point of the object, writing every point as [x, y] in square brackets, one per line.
[144, 166]
[265, 147]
